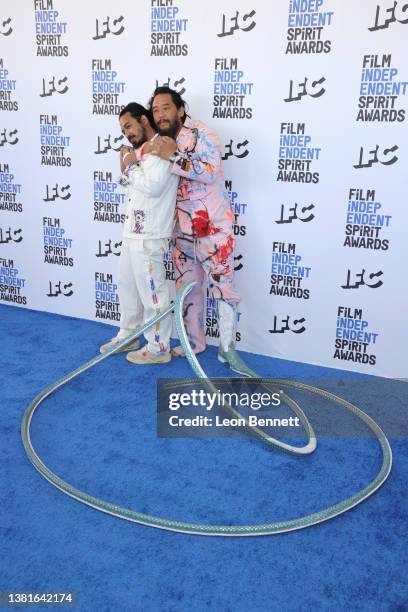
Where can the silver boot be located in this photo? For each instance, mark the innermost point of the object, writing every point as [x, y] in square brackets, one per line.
[227, 325]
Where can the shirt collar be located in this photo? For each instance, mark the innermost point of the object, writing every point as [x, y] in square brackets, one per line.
[188, 124]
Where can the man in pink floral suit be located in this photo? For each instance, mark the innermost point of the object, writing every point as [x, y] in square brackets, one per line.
[203, 240]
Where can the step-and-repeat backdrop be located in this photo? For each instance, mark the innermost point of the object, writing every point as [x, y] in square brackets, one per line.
[309, 98]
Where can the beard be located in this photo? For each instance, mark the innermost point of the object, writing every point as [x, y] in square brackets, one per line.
[170, 128]
[137, 142]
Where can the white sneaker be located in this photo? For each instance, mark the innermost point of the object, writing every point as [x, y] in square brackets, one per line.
[145, 357]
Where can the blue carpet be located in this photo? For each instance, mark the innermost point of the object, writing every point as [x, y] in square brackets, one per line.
[98, 433]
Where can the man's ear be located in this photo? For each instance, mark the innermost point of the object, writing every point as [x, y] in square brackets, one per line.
[143, 120]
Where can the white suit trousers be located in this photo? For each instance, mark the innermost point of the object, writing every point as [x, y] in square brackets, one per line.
[143, 291]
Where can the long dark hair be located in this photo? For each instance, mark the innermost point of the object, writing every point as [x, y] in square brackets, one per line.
[175, 96]
[136, 111]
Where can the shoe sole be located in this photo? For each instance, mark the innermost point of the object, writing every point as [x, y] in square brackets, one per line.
[128, 347]
[147, 362]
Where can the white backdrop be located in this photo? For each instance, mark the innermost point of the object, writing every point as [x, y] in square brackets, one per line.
[309, 99]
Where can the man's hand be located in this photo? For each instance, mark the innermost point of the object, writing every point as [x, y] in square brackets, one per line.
[127, 156]
[149, 145]
[163, 147]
